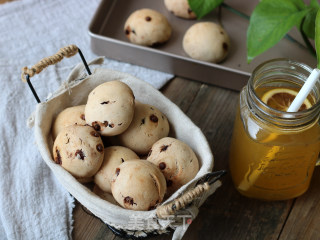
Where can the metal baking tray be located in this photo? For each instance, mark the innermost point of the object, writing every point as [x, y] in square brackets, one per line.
[108, 39]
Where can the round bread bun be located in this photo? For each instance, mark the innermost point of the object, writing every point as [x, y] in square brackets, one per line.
[79, 150]
[148, 126]
[206, 41]
[147, 27]
[180, 8]
[113, 157]
[138, 185]
[110, 108]
[176, 160]
[69, 116]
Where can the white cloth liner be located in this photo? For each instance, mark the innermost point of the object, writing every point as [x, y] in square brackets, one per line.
[75, 92]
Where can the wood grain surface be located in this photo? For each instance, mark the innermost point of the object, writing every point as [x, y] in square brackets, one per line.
[226, 214]
[4, 1]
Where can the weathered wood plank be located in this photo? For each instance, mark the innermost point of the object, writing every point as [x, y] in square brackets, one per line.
[226, 214]
[181, 92]
[304, 219]
[4, 1]
[87, 226]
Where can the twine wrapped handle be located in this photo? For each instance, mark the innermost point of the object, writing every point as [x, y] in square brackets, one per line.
[67, 51]
[203, 185]
[181, 202]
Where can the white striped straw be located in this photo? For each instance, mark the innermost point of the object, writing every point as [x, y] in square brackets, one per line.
[304, 91]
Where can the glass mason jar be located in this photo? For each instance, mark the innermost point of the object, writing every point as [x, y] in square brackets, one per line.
[273, 153]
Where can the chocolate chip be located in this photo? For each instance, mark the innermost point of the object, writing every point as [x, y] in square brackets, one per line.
[142, 121]
[94, 134]
[225, 46]
[105, 123]
[148, 19]
[82, 116]
[133, 31]
[96, 126]
[57, 159]
[164, 148]
[221, 33]
[111, 125]
[119, 124]
[99, 147]
[189, 11]
[169, 183]
[122, 160]
[162, 165]
[154, 118]
[107, 102]
[128, 30]
[117, 171]
[79, 154]
[128, 200]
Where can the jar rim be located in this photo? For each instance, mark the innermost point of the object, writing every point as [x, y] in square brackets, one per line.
[279, 60]
[276, 116]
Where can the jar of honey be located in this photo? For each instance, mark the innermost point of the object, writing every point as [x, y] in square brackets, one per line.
[273, 152]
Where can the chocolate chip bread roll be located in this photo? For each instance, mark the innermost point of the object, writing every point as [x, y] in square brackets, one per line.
[206, 41]
[138, 185]
[113, 157]
[110, 108]
[176, 160]
[79, 150]
[180, 8]
[147, 27]
[69, 116]
[149, 125]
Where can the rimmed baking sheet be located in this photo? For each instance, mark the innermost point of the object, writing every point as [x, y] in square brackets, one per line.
[108, 39]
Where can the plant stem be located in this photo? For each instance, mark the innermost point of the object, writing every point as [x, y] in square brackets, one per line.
[287, 36]
[306, 40]
[231, 9]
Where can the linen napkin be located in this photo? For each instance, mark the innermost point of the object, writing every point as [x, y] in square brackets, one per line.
[33, 205]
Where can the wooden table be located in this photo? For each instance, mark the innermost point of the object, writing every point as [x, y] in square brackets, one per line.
[226, 214]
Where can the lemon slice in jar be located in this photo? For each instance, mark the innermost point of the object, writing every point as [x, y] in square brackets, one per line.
[281, 99]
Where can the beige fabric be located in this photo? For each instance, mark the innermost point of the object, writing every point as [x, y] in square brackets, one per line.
[75, 92]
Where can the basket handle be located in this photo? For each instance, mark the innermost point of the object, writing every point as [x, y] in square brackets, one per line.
[67, 51]
[181, 202]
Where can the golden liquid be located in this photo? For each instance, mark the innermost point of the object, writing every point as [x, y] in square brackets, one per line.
[269, 163]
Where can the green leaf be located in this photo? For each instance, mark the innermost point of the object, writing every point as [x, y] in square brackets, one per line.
[203, 7]
[269, 23]
[314, 4]
[308, 24]
[299, 4]
[317, 37]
